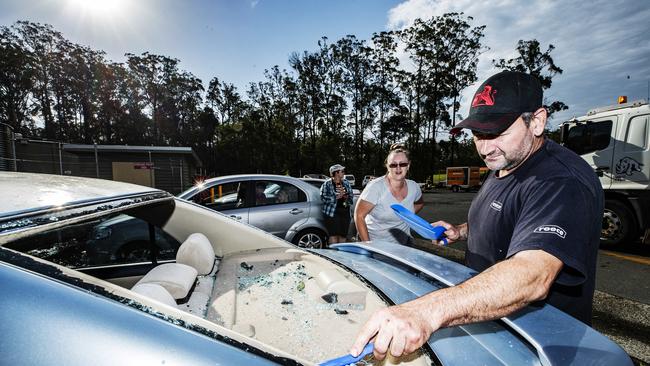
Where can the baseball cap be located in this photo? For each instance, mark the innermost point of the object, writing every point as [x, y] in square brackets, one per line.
[336, 168]
[500, 100]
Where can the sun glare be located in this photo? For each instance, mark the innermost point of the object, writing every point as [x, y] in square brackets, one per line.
[99, 8]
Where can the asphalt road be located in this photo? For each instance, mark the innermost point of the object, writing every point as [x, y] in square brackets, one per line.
[622, 299]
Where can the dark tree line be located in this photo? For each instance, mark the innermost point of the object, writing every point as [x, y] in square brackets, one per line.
[346, 101]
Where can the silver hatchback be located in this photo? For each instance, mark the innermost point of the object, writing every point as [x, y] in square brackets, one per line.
[284, 206]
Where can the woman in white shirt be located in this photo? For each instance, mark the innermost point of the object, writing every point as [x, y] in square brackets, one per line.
[373, 216]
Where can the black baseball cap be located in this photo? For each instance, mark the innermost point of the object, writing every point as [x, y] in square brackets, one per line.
[500, 100]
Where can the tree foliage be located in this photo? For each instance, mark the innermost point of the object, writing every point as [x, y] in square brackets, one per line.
[532, 60]
[345, 101]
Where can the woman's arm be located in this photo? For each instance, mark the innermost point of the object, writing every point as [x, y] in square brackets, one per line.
[417, 205]
[360, 212]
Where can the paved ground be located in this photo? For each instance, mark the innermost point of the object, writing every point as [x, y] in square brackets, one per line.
[622, 299]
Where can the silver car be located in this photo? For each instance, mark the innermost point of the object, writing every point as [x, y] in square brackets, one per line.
[231, 294]
[284, 206]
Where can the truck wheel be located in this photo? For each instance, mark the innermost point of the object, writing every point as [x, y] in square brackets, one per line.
[455, 189]
[619, 226]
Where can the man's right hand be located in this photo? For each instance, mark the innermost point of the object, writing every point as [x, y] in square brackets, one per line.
[399, 329]
[452, 232]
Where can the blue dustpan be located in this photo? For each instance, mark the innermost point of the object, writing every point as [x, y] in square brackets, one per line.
[419, 225]
[349, 359]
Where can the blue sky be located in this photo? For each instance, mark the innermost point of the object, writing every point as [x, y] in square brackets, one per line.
[599, 43]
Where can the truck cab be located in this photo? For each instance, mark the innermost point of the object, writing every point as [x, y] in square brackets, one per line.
[615, 141]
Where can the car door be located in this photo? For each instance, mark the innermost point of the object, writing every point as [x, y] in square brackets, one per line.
[278, 205]
[630, 164]
[232, 198]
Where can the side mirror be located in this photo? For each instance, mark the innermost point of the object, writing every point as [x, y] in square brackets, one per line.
[564, 133]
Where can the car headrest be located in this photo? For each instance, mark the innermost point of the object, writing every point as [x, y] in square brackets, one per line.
[196, 251]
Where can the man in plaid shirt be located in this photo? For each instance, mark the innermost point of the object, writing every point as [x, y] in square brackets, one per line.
[336, 194]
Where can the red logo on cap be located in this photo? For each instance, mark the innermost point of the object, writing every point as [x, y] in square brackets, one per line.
[485, 97]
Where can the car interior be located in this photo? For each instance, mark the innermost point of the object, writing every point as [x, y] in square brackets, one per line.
[227, 277]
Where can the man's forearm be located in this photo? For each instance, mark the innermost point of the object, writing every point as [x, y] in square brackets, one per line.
[500, 290]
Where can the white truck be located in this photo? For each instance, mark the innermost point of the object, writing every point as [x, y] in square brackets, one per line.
[615, 141]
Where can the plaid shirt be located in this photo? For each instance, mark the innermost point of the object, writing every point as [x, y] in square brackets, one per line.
[328, 196]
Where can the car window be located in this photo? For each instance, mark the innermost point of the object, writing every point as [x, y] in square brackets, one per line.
[225, 196]
[315, 182]
[275, 192]
[589, 137]
[636, 137]
[115, 239]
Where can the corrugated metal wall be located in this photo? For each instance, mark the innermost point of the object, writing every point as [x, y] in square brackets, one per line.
[173, 172]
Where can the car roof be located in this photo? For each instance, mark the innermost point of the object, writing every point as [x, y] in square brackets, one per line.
[251, 177]
[313, 191]
[33, 191]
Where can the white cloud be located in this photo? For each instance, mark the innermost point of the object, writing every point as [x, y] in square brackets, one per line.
[597, 43]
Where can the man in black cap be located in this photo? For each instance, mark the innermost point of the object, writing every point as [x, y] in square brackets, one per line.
[532, 231]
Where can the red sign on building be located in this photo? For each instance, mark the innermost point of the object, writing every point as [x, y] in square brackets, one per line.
[143, 166]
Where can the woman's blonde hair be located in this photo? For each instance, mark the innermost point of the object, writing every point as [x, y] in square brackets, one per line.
[397, 148]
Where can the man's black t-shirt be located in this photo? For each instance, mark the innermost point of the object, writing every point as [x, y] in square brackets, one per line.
[552, 202]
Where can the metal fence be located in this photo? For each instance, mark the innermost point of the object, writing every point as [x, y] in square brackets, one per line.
[167, 171]
[7, 151]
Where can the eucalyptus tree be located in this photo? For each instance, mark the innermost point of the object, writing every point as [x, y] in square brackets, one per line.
[75, 84]
[64, 100]
[384, 60]
[224, 99]
[444, 51]
[41, 41]
[152, 73]
[272, 100]
[534, 61]
[466, 47]
[122, 98]
[310, 106]
[223, 129]
[185, 99]
[112, 97]
[358, 77]
[86, 66]
[226, 102]
[215, 102]
[16, 81]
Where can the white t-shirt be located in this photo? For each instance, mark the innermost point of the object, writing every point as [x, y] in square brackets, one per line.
[382, 222]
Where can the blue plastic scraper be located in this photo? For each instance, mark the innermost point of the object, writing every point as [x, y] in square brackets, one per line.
[419, 225]
[348, 359]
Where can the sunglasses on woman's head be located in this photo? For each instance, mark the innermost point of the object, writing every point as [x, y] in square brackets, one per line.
[395, 165]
